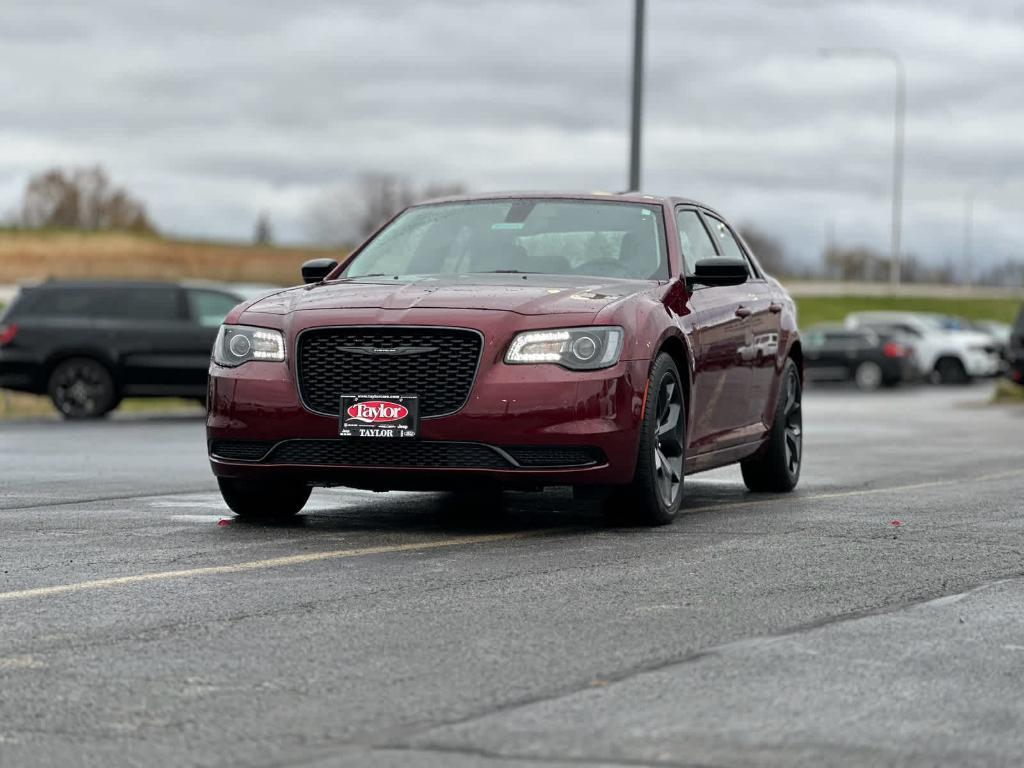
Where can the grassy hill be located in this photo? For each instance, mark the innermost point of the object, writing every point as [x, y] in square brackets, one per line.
[38, 255]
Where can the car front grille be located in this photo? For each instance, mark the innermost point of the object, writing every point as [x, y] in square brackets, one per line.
[390, 453]
[438, 365]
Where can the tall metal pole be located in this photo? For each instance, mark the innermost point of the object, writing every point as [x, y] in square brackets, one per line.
[636, 126]
[969, 236]
[899, 121]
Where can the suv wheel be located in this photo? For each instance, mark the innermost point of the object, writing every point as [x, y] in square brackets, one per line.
[656, 493]
[777, 466]
[950, 371]
[82, 388]
[264, 502]
[868, 376]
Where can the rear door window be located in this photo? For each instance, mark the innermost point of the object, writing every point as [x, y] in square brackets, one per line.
[149, 304]
[209, 308]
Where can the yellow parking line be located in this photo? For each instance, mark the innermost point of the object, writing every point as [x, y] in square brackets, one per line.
[312, 557]
[255, 565]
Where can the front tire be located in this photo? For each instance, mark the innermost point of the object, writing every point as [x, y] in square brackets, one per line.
[776, 468]
[656, 493]
[951, 371]
[82, 388]
[263, 502]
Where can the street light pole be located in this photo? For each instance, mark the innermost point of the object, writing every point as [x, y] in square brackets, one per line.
[968, 255]
[636, 125]
[899, 121]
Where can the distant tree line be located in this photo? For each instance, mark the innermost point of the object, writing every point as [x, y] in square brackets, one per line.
[80, 198]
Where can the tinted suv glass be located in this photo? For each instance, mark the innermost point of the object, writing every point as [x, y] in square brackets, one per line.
[129, 302]
[209, 308]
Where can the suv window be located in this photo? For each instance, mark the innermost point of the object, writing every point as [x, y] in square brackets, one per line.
[694, 240]
[209, 308]
[147, 304]
[726, 242]
[137, 303]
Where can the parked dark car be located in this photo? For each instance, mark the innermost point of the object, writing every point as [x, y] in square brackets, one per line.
[514, 340]
[89, 344]
[1015, 350]
[868, 357]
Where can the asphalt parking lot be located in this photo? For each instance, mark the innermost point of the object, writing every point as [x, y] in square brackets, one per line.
[871, 618]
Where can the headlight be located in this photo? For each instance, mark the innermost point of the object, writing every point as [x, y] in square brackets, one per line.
[237, 344]
[581, 349]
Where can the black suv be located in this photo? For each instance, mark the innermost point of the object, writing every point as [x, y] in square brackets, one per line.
[88, 344]
[1015, 350]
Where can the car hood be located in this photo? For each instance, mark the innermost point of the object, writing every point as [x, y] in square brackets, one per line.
[529, 294]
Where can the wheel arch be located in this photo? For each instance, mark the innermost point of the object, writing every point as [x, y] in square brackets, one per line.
[796, 352]
[676, 347]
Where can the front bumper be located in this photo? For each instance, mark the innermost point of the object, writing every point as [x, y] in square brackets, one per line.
[516, 415]
[978, 363]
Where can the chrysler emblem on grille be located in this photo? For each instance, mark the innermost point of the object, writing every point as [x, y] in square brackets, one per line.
[387, 350]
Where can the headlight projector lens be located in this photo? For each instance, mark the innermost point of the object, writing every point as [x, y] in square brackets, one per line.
[239, 345]
[584, 348]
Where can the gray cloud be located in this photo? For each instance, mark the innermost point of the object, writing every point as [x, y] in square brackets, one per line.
[215, 111]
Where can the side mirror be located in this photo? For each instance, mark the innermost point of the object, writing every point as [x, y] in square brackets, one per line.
[315, 270]
[719, 271]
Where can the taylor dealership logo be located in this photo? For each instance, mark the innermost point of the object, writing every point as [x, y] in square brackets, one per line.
[377, 411]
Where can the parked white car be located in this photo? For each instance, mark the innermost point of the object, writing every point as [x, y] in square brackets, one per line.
[950, 356]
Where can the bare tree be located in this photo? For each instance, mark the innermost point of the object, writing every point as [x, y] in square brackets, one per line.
[80, 198]
[263, 233]
[344, 216]
[766, 248]
[856, 263]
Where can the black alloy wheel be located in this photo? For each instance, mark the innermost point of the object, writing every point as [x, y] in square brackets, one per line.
[82, 388]
[656, 493]
[776, 467]
[668, 440]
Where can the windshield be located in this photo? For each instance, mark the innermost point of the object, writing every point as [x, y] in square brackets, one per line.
[545, 236]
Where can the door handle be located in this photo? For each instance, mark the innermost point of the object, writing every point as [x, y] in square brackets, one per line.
[743, 312]
[774, 308]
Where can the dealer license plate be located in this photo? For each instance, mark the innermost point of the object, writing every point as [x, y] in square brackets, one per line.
[378, 416]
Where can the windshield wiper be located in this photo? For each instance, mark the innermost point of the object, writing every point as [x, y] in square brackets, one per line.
[503, 272]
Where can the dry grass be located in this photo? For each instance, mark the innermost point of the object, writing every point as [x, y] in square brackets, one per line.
[20, 405]
[1008, 392]
[38, 255]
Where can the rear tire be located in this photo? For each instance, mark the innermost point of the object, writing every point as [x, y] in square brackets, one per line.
[82, 388]
[264, 502]
[951, 371]
[868, 376]
[776, 468]
[656, 493]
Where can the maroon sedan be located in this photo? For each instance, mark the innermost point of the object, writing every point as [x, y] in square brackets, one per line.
[514, 341]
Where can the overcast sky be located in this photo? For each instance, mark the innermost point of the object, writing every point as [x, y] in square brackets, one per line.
[213, 111]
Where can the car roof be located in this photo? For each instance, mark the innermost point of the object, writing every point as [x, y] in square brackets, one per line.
[620, 197]
[125, 284]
